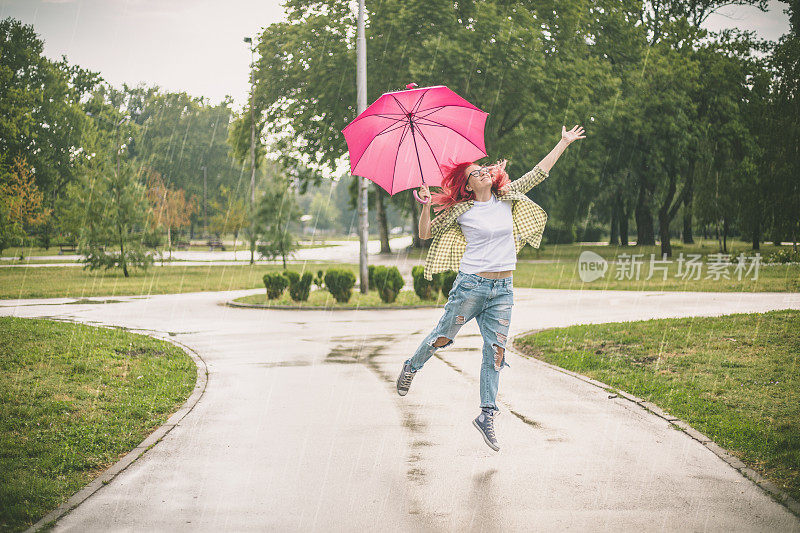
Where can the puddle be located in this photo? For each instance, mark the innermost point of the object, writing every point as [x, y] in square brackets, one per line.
[525, 419]
[88, 301]
[283, 364]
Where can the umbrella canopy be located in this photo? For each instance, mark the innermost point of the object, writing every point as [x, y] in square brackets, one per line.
[401, 140]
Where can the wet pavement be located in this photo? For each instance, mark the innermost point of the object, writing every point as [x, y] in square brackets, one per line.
[300, 427]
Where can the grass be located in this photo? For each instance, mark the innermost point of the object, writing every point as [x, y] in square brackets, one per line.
[74, 282]
[571, 252]
[241, 246]
[734, 378]
[565, 275]
[323, 298]
[73, 400]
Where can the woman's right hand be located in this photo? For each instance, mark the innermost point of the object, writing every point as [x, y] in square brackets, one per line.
[424, 193]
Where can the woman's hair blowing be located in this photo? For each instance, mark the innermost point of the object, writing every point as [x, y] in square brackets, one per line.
[455, 180]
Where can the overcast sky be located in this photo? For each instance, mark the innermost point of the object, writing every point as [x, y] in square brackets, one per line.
[196, 45]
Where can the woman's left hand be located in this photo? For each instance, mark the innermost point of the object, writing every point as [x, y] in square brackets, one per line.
[572, 135]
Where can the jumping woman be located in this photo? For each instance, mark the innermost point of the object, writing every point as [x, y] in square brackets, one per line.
[484, 221]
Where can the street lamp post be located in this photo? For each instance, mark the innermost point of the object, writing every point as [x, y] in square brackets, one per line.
[252, 159]
[205, 200]
[361, 105]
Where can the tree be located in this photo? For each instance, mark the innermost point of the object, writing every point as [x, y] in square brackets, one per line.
[229, 213]
[41, 118]
[276, 209]
[169, 207]
[20, 203]
[780, 135]
[113, 208]
[323, 211]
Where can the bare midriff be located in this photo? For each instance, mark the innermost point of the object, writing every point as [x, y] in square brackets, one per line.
[495, 275]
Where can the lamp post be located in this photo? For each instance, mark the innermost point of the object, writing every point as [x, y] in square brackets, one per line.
[361, 105]
[205, 200]
[252, 159]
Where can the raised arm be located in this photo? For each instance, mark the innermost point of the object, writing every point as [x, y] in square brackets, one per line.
[567, 138]
[542, 170]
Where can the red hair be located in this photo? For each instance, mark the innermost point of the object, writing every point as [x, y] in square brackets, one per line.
[455, 180]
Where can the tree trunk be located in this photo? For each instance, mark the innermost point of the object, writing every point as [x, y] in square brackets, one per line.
[623, 227]
[122, 255]
[688, 204]
[383, 225]
[757, 235]
[645, 235]
[724, 235]
[614, 240]
[663, 233]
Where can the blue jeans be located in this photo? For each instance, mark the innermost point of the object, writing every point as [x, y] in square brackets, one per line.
[489, 301]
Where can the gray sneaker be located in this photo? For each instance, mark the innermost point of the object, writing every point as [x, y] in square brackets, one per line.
[485, 424]
[404, 379]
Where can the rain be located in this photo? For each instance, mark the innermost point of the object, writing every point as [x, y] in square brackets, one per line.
[175, 356]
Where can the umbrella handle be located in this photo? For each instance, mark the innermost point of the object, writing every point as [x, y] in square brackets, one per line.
[420, 200]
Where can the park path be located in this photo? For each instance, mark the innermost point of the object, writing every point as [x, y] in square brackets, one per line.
[300, 428]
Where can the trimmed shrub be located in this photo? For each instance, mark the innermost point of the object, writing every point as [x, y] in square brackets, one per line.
[783, 255]
[275, 283]
[446, 281]
[292, 276]
[371, 277]
[340, 284]
[300, 287]
[426, 290]
[388, 282]
[319, 279]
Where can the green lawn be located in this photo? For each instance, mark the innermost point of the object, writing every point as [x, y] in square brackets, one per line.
[565, 275]
[74, 282]
[735, 378]
[73, 400]
[571, 252]
[34, 251]
[323, 298]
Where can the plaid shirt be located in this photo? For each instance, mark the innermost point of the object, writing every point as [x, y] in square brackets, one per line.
[449, 243]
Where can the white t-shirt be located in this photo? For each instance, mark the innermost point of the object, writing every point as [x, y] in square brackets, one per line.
[488, 228]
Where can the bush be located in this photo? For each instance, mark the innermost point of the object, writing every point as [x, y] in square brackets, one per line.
[300, 289]
[554, 234]
[292, 276]
[340, 284]
[784, 255]
[388, 282]
[299, 286]
[446, 280]
[426, 290]
[319, 279]
[275, 283]
[371, 276]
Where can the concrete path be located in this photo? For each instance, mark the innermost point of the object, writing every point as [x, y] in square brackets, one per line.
[341, 251]
[300, 428]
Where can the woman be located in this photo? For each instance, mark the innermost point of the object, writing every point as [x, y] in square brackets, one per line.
[479, 235]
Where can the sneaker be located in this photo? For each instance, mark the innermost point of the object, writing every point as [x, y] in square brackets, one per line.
[485, 424]
[404, 379]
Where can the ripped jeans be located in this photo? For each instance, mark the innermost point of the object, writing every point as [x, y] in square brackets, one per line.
[489, 301]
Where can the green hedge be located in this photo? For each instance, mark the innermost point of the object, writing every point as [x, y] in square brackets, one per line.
[388, 282]
[340, 284]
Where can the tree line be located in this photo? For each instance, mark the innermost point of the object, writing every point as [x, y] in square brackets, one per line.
[688, 131]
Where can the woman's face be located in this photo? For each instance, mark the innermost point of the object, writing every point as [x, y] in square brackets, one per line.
[478, 179]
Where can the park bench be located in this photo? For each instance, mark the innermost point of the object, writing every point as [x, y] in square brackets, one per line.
[67, 248]
[181, 245]
[215, 243]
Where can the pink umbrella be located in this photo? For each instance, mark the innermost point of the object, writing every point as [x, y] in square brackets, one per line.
[400, 140]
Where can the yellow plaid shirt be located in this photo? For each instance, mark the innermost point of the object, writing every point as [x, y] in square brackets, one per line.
[449, 244]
